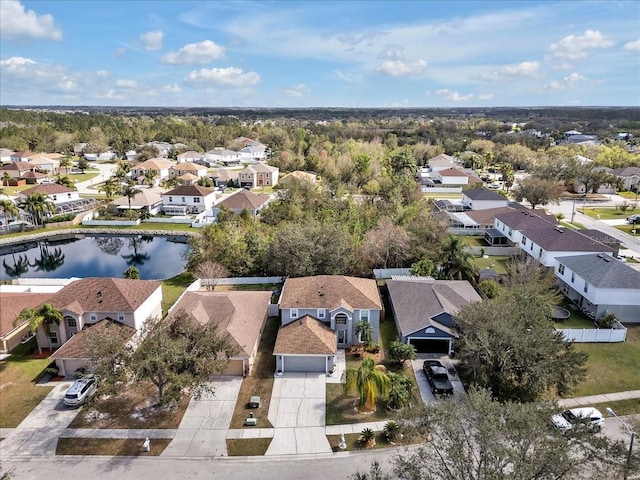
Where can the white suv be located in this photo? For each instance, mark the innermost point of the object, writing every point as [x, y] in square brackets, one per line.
[80, 391]
[588, 415]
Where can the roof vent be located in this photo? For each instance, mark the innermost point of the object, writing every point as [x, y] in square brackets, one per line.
[606, 258]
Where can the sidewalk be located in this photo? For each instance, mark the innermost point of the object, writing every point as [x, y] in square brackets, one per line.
[602, 398]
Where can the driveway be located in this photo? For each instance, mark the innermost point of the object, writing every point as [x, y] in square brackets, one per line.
[423, 384]
[204, 427]
[298, 413]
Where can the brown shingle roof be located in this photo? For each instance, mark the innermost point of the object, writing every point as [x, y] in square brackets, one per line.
[11, 304]
[188, 167]
[190, 191]
[245, 199]
[75, 347]
[19, 166]
[241, 314]
[47, 189]
[331, 292]
[154, 164]
[104, 295]
[453, 172]
[306, 336]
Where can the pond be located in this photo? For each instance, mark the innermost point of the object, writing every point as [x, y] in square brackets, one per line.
[95, 256]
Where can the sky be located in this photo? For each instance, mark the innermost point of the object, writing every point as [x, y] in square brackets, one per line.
[321, 53]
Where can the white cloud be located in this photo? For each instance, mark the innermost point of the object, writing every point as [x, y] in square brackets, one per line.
[453, 96]
[512, 72]
[119, 52]
[575, 47]
[347, 77]
[400, 68]
[195, 54]
[126, 84]
[152, 41]
[103, 73]
[16, 22]
[632, 46]
[229, 77]
[171, 88]
[392, 52]
[567, 83]
[487, 96]
[296, 91]
[16, 64]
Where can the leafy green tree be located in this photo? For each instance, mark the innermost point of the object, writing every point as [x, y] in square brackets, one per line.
[489, 288]
[592, 178]
[508, 345]
[65, 162]
[205, 182]
[401, 352]
[508, 175]
[109, 188]
[6, 179]
[369, 381]
[38, 205]
[9, 209]
[454, 261]
[178, 354]
[83, 164]
[65, 181]
[401, 391]
[480, 438]
[423, 268]
[537, 191]
[132, 273]
[150, 177]
[129, 190]
[45, 314]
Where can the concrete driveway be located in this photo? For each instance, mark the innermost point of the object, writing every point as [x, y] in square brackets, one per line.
[204, 427]
[423, 384]
[298, 413]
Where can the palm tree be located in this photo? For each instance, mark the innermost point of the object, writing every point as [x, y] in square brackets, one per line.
[370, 381]
[365, 330]
[150, 177]
[109, 188]
[46, 314]
[6, 178]
[129, 190]
[8, 210]
[65, 162]
[38, 205]
[454, 260]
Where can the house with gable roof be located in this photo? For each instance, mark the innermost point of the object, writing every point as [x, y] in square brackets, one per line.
[188, 199]
[258, 175]
[242, 315]
[243, 200]
[630, 177]
[598, 283]
[185, 168]
[325, 310]
[12, 304]
[55, 192]
[160, 165]
[423, 310]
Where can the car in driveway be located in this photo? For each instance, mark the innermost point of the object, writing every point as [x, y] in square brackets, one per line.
[80, 391]
[634, 219]
[589, 416]
[437, 377]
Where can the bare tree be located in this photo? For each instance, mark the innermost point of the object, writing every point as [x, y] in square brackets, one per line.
[210, 273]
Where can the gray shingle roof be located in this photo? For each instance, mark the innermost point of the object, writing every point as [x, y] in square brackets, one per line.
[602, 271]
[483, 194]
[553, 238]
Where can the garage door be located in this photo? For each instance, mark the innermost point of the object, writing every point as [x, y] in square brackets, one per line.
[305, 364]
[234, 368]
[430, 346]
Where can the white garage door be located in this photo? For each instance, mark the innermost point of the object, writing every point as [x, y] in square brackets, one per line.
[305, 364]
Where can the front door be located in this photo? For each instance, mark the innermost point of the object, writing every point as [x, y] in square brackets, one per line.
[341, 329]
[342, 335]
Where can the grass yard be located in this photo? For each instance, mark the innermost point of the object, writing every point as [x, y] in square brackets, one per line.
[132, 408]
[608, 213]
[622, 407]
[498, 263]
[353, 444]
[612, 367]
[19, 393]
[113, 447]
[260, 382]
[474, 241]
[247, 447]
[172, 288]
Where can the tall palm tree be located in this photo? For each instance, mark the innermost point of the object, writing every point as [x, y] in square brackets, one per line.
[65, 162]
[370, 381]
[109, 188]
[454, 261]
[46, 314]
[6, 178]
[129, 190]
[38, 205]
[150, 177]
[365, 330]
[8, 210]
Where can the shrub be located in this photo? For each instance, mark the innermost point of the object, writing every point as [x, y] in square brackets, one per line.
[367, 437]
[400, 351]
[489, 288]
[607, 320]
[391, 430]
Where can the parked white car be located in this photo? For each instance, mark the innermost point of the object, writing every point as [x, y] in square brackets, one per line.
[569, 418]
[80, 391]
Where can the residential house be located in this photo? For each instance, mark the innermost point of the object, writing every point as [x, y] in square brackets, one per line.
[164, 148]
[100, 156]
[579, 187]
[131, 156]
[18, 172]
[241, 315]
[183, 168]
[44, 163]
[188, 199]
[223, 177]
[5, 155]
[442, 162]
[222, 156]
[243, 200]
[22, 156]
[630, 177]
[86, 302]
[12, 304]
[482, 199]
[253, 153]
[323, 310]
[55, 192]
[599, 284]
[455, 177]
[511, 224]
[259, 175]
[190, 156]
[424, 309]
[149, 199]
[160, 165]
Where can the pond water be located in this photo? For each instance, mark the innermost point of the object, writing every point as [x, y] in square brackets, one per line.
[95, 256]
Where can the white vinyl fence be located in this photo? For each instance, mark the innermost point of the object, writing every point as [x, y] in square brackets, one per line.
[595, 335]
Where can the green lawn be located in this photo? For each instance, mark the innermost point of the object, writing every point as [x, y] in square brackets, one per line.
[612, 367]
[172, 288]
[474, 240]
[608, 213]
[19, 393]
[623, 407]
[498, 263]
[247, 447]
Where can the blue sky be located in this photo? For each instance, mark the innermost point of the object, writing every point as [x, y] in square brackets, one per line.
[320, 53]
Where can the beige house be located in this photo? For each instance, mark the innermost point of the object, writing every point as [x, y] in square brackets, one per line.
[240, 314]
[160, 165]
[258, 175]
[12, 304]
[183, 168]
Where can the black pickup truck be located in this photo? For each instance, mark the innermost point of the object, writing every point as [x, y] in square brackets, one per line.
[437, 377]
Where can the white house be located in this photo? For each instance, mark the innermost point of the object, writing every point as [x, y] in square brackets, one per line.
[188, 199]
[55, 192]
[257, 152]
[483, 199]
[5, 155]
[190, 156]
[599, 284]
[512, 224]
[222, 156]
[101, 156]
[45, 163]
[441, 162]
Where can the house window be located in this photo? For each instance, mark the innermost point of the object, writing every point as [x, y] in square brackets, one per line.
[321, 314]
[71, 322]
[364, 315]
[183, 200]
[55, 197]
[196, 199]
[121, 317]
[170, 199]
[531, 248]
[561, 269]
[341, 320]
[586, 287]
[524, 240]
[540, 252]
[68, 195]
[53, 337]
[94, 317]
[510, 232]
[573, 277]
[294, 313]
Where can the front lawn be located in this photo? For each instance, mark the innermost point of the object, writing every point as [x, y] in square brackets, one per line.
[608, 213]
[612, 367]
[247, 447]
[112, 447]
[19, 394]
[353, 442]
[260, 382]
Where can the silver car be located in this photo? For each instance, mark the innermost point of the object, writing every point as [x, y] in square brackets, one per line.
[569, 418]
[80, 391]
